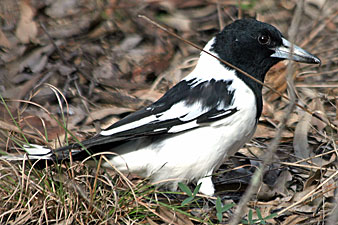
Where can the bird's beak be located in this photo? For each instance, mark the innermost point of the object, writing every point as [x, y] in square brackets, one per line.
[296, 54]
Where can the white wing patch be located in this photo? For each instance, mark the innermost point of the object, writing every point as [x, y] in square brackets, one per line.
[221, 114]
[129, 126]
[180, 111]
[193, 111]
[183, 127]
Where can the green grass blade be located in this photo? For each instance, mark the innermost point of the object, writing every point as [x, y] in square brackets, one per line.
[185, 188]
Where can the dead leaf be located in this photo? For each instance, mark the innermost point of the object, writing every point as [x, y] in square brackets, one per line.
[294, 219]
[311, 7]
[313, 179]
[265, 193]
[312, 203]
[320, 112]
[102, 29]
[280, 185]
[148, 95]
[264, 131]
[27, 28]
[11, 127]
[37, 125]
[7, 126]
[330, 188]
[151, 222]
[62, 8]
[20, 91]
[300, 140]
[35, 60]
[178, 21]
[276, 79]
[173, 217]
[4, 42]
[129, 43]
[105, 112]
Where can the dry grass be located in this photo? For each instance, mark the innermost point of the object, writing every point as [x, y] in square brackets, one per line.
[95, 77]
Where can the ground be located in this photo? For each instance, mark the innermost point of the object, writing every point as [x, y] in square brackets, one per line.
[69, 68]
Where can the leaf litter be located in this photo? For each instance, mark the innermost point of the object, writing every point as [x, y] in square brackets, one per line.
[107, 63]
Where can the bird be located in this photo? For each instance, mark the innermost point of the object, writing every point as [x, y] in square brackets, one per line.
[196, 125]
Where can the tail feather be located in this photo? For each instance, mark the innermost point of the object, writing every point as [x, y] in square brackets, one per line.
[33, 152]
[38, 152]
[57, 155]
[76, 151]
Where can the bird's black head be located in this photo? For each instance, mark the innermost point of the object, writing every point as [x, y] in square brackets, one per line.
[255, 47]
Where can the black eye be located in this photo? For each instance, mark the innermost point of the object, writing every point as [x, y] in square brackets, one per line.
[264, 39]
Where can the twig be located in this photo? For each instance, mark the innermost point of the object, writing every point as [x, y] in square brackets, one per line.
[239, 9]
[307, 166]
[257, 177]
[93, 189]
[316, 31]
[219, 14]
[308, 195]
[294, 164]
[334, 214]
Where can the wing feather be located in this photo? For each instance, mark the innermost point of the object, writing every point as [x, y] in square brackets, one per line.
[188, 105]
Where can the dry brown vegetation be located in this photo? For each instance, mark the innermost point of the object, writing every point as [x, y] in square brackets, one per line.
[80, 65]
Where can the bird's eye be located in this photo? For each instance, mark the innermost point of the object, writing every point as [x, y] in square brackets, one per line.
[264, 39]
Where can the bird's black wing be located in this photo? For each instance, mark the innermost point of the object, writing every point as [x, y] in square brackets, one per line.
[188, 105]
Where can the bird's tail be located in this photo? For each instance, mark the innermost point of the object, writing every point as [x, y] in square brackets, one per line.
[76, 151]
[40, 153]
